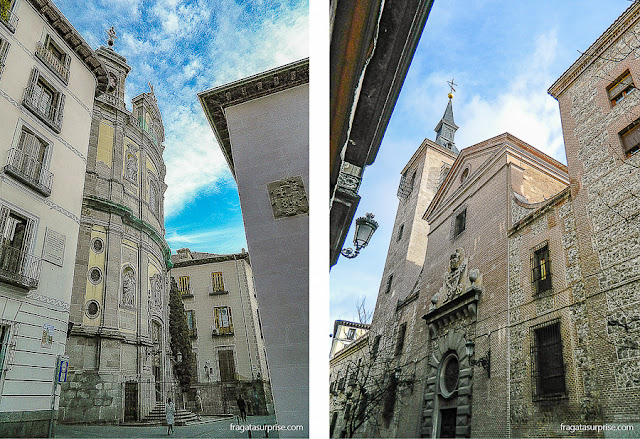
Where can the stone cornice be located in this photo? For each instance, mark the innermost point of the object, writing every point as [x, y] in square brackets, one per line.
[211, 260]
[540, 209]
[72, 37]
[215, 100]
[623, 22]
[129, 219]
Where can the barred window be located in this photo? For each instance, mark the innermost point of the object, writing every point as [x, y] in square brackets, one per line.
[541, 270]
[222, 320]
[547, 365]
[460, 223]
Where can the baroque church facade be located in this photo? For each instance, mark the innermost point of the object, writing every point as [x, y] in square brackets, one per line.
[521, 317]
[118, 347]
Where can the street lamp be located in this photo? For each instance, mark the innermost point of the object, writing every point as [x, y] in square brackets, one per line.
[485, 361]
[179, 357]
[365, 227]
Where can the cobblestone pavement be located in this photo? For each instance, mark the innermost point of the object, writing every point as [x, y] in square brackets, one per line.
[208, 428]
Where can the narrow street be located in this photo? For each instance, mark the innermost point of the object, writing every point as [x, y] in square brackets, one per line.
[210, 427]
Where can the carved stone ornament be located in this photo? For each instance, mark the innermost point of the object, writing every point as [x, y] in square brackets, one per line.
[288, 197]
[128, 287]
[155, 294]
[453, 284]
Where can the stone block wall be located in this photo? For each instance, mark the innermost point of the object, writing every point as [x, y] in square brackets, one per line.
[89, 397]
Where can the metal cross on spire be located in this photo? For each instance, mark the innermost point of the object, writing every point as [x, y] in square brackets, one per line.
[451, 84]
[112, 37]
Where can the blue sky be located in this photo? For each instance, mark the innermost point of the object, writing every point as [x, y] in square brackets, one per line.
[183, 48]
[504, 55]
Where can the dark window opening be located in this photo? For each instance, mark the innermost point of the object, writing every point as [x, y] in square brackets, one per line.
[541, 275]
[461, 223]
[401, 333]
[389, 282]
[351, 334]
[547, 363]
[376, 346]
[400, 232]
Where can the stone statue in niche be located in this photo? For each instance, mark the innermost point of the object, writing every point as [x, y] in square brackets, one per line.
[131, 167]
[453, 284]
[128, 287]
[155, 295]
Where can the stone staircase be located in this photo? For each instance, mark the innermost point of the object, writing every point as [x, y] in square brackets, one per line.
[182, 417]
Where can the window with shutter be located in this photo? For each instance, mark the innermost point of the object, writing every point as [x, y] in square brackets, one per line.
[4, 50]
[620, 88]
[7, 15]
[27, 162]
[217, 282]
[44, 101]
[222, 319]
[184, 286]
[17, 265]
[631, 138]
[5, 331]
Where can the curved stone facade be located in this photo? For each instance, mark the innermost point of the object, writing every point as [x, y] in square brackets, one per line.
[119, 344]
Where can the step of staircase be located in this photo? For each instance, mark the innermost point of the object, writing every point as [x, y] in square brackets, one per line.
[182, 417]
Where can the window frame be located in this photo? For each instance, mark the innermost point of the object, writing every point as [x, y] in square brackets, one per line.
[4, 52]
[16, 167]
[633, 127]
[11, 19]
[218, 323]
[625, 88]
[544, 266]
[182, 284]
[541, 378]
[60, 67]
[217, 282]
[402, 332]
[193, 329]
[33, 102]
[456, 231]
[26, 272]
[5, 346]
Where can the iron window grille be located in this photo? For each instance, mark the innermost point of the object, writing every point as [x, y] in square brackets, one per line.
[541, 269]
[547, 363]
[401, 334]
[460, 223]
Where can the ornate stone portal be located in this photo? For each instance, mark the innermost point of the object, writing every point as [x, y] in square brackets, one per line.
[451, 321]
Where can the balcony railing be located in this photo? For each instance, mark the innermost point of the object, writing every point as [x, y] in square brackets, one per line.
[57, 66]
[9, 19]
[186, 292]
[29, 171]
[48, 113]
[215, 292]
[226, 330]
[18, 267]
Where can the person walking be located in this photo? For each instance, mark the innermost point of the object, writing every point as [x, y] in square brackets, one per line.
[243, 408]
[170, 411]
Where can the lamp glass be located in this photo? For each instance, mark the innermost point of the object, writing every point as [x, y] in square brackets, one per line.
[470, 347]
[364, 230]
[179, 357]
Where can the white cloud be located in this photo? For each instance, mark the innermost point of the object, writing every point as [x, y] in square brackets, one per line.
[523, 109]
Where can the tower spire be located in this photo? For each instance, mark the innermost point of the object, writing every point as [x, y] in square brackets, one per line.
[446, 128]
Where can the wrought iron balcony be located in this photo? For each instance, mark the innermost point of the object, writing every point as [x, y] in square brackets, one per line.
[49, 59]
[9, 19]
[186, 292]
[216, 291]
[48, 113]
[29, 171]
[225, 330]
[19, 268]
